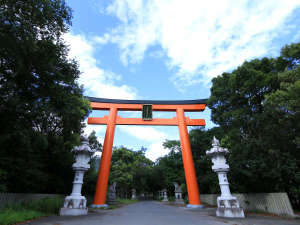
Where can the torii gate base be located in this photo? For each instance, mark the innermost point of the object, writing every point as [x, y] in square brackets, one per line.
[114, 105]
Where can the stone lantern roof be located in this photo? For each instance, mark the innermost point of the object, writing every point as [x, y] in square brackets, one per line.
[216, 148]
[84, 147]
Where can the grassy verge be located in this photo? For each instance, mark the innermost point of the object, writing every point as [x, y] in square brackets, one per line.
[22, 211]
[9, 216]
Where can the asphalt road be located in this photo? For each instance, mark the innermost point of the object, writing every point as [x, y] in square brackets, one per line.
[156, 213]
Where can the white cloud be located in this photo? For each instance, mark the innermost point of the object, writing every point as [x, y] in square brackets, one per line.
[97, 82]
[152, 135]
[156, 150]
[157, 54]
[201, 39]
[144, 133]
[97, 128]
[98, 154]
[100, 83]
[102, 40]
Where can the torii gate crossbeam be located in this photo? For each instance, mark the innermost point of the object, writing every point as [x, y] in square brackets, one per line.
[115, 105]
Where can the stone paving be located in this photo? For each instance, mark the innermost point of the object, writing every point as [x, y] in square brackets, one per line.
[157, 213]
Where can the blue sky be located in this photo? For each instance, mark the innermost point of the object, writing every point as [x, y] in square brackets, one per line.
[170, 50]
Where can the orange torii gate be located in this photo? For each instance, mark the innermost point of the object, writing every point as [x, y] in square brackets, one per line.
[147, 106]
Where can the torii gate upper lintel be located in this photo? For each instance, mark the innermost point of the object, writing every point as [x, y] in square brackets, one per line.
[115, 105]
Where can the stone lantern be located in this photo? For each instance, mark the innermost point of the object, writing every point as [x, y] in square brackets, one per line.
[75, 204]
[228, 205]
[112, 196]
[133, 193]
[178, 194]
[165, 195]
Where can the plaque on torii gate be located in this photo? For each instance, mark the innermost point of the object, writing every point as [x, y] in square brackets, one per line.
[147, 106]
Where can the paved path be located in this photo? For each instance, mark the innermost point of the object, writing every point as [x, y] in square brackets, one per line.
[156, 213]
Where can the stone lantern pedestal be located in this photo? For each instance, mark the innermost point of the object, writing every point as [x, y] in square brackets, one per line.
[228, 205]
[75, 204]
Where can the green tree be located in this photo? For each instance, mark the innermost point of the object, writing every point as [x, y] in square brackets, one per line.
[201, 142]
[91, 176]
[130, 169]
[284, 103]
[41, 104]
[171, 166]
[94, 143]
[257, 106]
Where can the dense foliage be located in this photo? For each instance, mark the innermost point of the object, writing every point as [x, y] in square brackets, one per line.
[171, 165]
[258, 107]
[41, 104]
[131, 169]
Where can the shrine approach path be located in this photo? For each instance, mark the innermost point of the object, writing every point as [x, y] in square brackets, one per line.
[157, 213]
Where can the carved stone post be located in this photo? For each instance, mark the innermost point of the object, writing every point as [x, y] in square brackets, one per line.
[228, 205]
[75, 204]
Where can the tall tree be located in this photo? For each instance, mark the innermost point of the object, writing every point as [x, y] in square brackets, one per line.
[257, 106]
[94, 143]
[284, 104]
[201, 142]
[131, 169]
[41, 103]
[171, 165]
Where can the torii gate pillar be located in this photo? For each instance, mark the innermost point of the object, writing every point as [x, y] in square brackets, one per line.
[103, 173]
[188, 162]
